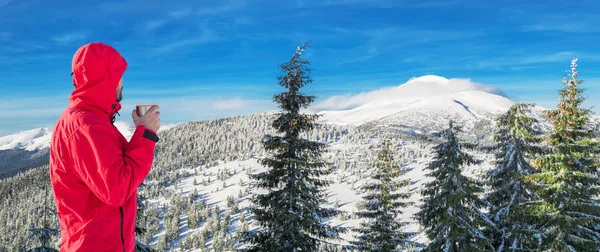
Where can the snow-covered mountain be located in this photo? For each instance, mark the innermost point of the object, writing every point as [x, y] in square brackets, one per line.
[28, 140]
[422, 103]
[37, 139]
[425, 112]
[28, 149]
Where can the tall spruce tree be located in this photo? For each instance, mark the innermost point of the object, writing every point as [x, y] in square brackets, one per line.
[382, 206]
[450, 214]
[290, 214]
[517, 141]
[567, 184]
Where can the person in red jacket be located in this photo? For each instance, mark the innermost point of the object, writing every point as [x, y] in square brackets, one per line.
[94, 170]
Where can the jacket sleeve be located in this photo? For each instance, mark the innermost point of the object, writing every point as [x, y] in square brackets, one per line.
[112, 172]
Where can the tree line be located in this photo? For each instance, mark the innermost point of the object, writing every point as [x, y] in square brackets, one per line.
[543, 189]
[540, 195]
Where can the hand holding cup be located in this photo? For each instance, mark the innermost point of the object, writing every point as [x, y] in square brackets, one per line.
[147, 115]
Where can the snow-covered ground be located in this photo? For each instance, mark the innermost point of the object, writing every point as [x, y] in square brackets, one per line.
[341, 191]
[344, 193]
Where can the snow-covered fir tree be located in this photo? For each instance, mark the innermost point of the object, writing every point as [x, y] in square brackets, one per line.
[141, 223]
[290, 214]
[517, 141]
[567, 183]
[45, 232]
[450, 214]
[382, 207]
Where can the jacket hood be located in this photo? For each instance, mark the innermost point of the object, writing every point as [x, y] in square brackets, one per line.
[97, 69]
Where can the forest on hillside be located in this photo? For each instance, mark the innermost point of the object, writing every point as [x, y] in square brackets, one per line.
[521, 181]
[200, 145]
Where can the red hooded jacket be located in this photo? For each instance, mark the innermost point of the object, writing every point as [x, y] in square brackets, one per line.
[94, 171]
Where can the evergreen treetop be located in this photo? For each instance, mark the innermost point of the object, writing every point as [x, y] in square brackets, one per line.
[450, 213]
[517, 143]
[290, 215]
[566, 182]
[382, 207]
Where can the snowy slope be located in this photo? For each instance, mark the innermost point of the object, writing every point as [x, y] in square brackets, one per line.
[344, 192]
[37, 139]
[422, 112]
[423, 102]
[29, 140]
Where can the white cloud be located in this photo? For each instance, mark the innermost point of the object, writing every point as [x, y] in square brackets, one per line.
[382, 41]
[205, 11]
[416, 87]
[532, 61]
[243, 21]
[178, 14]
[70, 38]
[228, 7]
[562, 27]
[174, 88]
[553, 22]
[181, 13]
[206, 36]
[236, 103]
[391, 3]
[191, 108]
[34, 112]
[358, 59]
[153, 24]
[5, 36]
[32, 107]
[353, 2]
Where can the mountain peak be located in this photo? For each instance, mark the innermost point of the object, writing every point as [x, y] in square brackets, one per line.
[39, 138]
[29, 140]
[429, 79]
[426, 86]
[430, 94]
[430, 85]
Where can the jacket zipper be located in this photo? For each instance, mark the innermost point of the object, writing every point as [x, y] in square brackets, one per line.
[122, 237]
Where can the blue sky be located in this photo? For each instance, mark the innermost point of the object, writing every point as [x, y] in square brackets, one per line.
[209, 59]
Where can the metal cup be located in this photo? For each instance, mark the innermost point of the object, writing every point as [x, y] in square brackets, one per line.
[142, 109]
